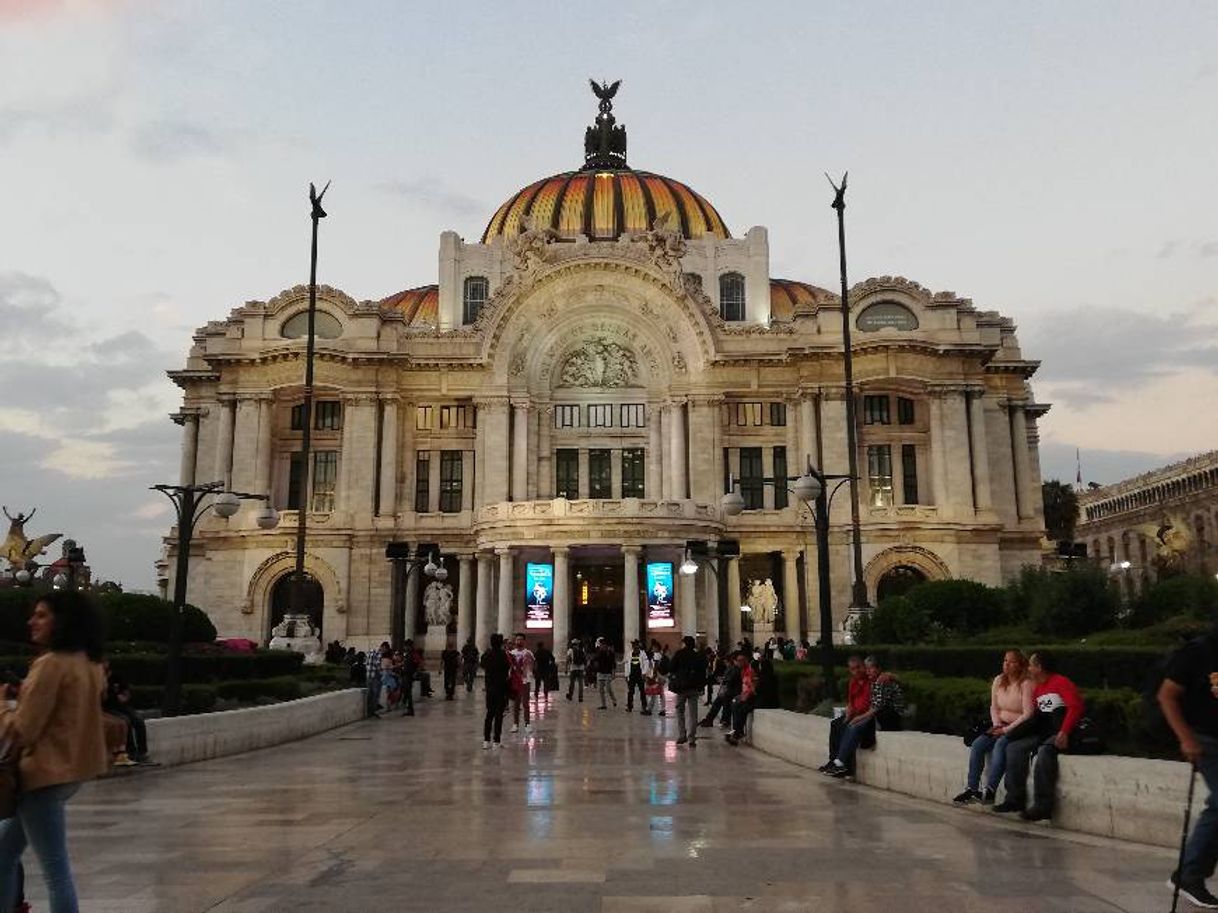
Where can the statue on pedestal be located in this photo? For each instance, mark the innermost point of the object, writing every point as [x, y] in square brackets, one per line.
[19, 551]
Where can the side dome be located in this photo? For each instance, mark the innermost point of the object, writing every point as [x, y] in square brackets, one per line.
[604, 205]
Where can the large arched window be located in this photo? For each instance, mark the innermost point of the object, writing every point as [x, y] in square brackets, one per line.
[473, 297]
[731, 296]
[325, 326]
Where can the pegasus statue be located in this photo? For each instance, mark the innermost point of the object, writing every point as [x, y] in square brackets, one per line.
[19, 550]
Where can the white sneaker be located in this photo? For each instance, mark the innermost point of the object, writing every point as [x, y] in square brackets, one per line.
[498, 744]
[485, 744]
[515, 728]
[528, 728]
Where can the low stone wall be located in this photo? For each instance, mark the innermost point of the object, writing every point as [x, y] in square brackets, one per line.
[182, 739]
[1128, 798]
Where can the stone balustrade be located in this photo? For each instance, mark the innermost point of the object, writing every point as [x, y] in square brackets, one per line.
[597, 516]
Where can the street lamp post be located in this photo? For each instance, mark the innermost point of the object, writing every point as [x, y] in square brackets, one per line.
[190, 503]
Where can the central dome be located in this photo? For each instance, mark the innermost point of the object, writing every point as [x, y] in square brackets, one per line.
[604, 205]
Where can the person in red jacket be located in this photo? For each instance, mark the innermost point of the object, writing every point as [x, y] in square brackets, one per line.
[1059, 707]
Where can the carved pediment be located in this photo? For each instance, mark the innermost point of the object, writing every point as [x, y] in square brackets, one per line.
[600, 362]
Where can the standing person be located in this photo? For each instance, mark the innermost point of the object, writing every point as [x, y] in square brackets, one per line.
[653, 683]
[524, 669]
[57, 726]
[576, 667]
[408, 667]
[545, 659]
[1059, 707]
[634, 678]
[686, 680]
[1010, 707]
[606, 665]
[1190, 706]
[469, 664]
[496, 673]
[450, 660]
[663, 665]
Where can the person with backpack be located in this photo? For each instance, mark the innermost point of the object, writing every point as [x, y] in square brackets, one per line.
[634, 677]
[606, 664]
[686, 680]
[1188, 698]
[576, 665]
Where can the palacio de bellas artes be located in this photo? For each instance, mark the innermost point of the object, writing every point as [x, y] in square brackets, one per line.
[570, 398]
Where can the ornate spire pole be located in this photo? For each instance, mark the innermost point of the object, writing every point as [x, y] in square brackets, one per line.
[858, 588]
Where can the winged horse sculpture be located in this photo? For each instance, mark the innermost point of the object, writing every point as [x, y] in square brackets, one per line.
[19, 550]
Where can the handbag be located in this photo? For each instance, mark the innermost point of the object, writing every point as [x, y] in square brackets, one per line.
[1086, 738]
[979, 728]
[8, 782]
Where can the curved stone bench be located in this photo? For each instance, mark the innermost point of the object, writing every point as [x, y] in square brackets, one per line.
[1106, 795]
[182, 739]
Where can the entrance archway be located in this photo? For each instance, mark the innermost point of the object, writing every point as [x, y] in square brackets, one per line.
[897, 581]
[281, 600]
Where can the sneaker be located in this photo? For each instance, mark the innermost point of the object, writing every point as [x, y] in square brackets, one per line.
[693, 743]
[1036, 813]
[568, 697]
[731, 739]
[705, 724]
[498, 744]
[682, 740]
[1196, 893]
[528, 728]
[602, 707]
[825, 768]
[987, 796]
[515, 727]
[485, 744]
[644, 713]
[1007, 807]
[968, 797]
[839, 771]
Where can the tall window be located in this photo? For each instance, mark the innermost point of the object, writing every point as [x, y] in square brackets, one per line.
[423, 418]
[450, 481]
[325, 476]
[566, 416]
[476, 291]
[566, 473]
[731, 296]
[634, 473]
[632, 415]
[780, 477]
[909, 474]
[600, 474]
[600, 416]
[327, 415]
[879, 474]
[752, 476]
[875, 410]
[456, 417]
[778, 414]
[748, 413]
[422, 481]
[905, 410]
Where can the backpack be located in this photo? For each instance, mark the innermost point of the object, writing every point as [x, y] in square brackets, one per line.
[665, 663]
[577, 656]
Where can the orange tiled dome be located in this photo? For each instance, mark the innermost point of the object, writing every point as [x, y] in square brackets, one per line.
[604, 204]
[420, 306]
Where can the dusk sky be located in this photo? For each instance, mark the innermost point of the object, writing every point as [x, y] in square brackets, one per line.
[1054, 162]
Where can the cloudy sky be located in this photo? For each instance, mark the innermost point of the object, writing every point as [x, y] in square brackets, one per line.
[1051, 161]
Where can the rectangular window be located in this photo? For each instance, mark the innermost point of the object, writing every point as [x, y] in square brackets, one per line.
[600, 473]
[329, 415]
[632, 415]
[752, 478]
[450, 481]
[566, 473]
[875, 410]
[566, 416]
[422, 418]
[748, 414]
[909, 473]
[295, 480]
[456, 417]
[325, 478]
[780, 477]
[298, 417]
[634, 473]
[879, 474]
[905, 410]
[600, 416]
[422, 481]
[778, 414]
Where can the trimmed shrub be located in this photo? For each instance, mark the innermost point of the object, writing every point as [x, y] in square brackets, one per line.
[1191, 595]
[136, 616]
[1065, 603]
[195, 698]
[896, 620]
[149, 668]
[961, 606]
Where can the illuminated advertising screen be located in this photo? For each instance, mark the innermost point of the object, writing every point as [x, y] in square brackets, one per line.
[659, 595]
[539, 596]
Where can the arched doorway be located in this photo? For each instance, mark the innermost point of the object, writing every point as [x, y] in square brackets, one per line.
[897, 581]
[281, 600]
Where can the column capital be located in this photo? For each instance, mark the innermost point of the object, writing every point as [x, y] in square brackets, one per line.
[226, 398]
[707, 399]
[466, 556]
[183, 416]
[390, 398]
[791, 554]
[492, 402]
[504, 551]
[560, 550]
[251, 397]
[522, 405]
[634, 550]
[359, 398]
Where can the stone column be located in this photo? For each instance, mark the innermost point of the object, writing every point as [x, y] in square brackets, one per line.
[687, 603]
[506, 591]
[710, 606]
[790, 593]
[677, 455]
[1019, 447]
[483, 627]
[520, 451]
[412, 600]
[655, 451]
[938, 454]
[562, 601]
[388, 505]
[665, 490]
[734, 622]
[224, 443]
[405, 485]
[465, 598]
[808, 433]
[630, 594]
[705, 484]
[493, 442]
[545, 457]
[836, 450]
[266, 427]
[190, 446]
[467, 480]
[245, 443]
[982, 498]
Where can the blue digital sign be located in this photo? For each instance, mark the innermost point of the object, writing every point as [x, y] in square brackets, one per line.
[659, 595]
[539, 596]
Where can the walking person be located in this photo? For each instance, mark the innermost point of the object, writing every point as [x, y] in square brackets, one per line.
[57, 726]
[729, 690]
[653, 684]
[576, 668]
[450, 660]
[469, 664]
[686, 681]
[524, 669]
[634, 677]
[606, 665]
[496, 673]
[545, 660]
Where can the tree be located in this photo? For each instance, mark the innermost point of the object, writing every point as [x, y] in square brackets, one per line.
[1061, 510]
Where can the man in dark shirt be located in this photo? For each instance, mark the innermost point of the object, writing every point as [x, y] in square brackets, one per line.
[688, 678]
[450, 659]
[469, 663]
[1189, 699]
[634, 677]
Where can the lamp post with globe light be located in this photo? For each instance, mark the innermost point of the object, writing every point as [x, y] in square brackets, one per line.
[191, 502]
[400, 556]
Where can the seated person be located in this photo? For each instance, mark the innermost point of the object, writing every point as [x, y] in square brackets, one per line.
[1059, 707]
[886, 704]
[744, 702]
[858, 702]
[1010, 707]
[117, 703]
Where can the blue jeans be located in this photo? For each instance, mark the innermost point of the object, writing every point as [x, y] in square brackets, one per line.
[1201, 851]
[996, 748]
[40, 822]
[852, 735]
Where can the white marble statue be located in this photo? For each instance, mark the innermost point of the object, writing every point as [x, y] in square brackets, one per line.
[438, 604]
[763, 600]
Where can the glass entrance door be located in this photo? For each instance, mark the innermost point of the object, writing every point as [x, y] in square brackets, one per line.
[596, 603]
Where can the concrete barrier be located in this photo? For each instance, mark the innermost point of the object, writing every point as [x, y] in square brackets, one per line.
[1128, 798]
[182, 739]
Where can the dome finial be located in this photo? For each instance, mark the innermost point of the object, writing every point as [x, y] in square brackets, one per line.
[604, 142]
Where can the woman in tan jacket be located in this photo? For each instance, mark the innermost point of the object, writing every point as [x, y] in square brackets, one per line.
[57, 726]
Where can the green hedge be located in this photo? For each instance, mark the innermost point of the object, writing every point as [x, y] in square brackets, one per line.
[195, 698]
[127, 616]
[149, 668]
[200, 698]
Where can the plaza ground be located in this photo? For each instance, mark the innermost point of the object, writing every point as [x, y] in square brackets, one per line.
[596, 812]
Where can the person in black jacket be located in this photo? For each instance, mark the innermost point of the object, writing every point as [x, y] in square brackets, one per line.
[469, 664]
[496, 669]
[729, 690]
[686, 681]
